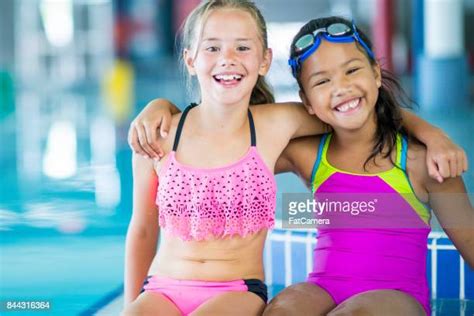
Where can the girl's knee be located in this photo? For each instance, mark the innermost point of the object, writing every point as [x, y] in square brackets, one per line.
[348, 310]
[384, 302]
[275, 308]
[282, 304]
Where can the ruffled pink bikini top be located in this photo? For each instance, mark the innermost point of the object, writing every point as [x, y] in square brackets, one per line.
[201, 203]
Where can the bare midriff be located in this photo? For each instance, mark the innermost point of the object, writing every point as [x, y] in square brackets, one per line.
[217, 259]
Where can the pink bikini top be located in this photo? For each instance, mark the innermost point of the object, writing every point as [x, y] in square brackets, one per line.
[198, 203]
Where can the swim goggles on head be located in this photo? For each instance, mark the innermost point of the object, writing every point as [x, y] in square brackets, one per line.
[336, 32]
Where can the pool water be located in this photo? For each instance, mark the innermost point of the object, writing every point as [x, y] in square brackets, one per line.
[71, 272]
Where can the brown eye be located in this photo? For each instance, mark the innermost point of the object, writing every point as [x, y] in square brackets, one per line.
[243, 48]
[352, 70]
[321, 82]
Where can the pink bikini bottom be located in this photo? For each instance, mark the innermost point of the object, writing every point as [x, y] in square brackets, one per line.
[187, 295]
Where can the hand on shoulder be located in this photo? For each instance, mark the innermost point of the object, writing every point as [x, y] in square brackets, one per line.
[142, 161]
[153, 121]
[424, 184]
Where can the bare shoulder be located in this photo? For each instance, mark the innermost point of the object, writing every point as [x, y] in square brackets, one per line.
[173, 128]
[142, 164]
[304, 147]
[275, 110]
[277, 120]
[416, 160]
[302, 153]
[167, 143]
[419, 176]
[417, 169]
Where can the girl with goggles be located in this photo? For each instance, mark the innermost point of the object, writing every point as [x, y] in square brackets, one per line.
[370, 264]
[336, 33]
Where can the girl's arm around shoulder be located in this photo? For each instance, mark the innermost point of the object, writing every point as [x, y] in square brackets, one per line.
[290, 120]
[449, 201]
[143, 131]
[164, 142]
[444, 158]
[299, 157]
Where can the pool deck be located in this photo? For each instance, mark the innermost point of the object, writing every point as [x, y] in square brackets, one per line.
[113, 308]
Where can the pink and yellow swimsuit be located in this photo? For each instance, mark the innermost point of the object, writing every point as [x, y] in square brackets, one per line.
[381, 247]
[196, 203]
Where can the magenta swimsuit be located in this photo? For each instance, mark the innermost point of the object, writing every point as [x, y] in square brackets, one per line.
[382, 243]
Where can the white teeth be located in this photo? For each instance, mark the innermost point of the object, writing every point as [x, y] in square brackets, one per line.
[228, 77]
[343, 108]
[349, 105]
[354, 103]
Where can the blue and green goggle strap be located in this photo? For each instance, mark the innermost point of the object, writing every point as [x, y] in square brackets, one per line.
[295, 62]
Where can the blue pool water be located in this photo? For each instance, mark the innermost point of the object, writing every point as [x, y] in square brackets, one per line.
[70, 272]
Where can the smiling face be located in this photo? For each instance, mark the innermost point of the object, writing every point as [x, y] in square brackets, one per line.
[340, 85]
[228, 58]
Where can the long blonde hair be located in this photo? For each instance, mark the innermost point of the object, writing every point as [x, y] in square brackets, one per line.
[262, 92]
